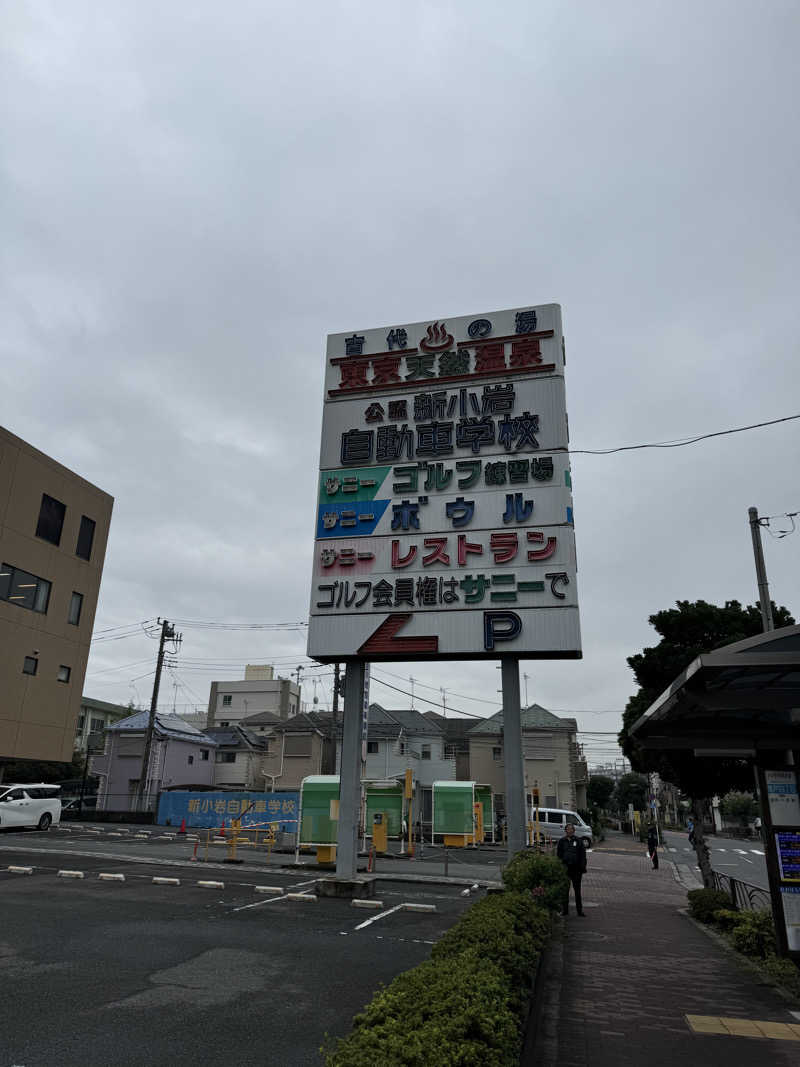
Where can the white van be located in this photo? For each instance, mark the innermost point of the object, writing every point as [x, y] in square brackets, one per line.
[553, 822]
[33, 804]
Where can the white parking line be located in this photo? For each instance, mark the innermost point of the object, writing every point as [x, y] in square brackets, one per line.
[272, 900]
[374, 919]
[757, 851]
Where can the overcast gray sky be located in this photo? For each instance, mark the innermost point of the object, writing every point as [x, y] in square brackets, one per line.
[195, 194]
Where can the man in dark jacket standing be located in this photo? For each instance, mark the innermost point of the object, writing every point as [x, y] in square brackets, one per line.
[572, 853]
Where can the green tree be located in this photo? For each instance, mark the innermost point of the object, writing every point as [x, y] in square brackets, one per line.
[599, 790]
[631, 789]
[687, 631]
[738, 807]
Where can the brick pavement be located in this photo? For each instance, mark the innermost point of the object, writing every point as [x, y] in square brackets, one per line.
[621, 980]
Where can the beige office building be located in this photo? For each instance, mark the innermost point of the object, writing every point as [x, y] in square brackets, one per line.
[53, 534]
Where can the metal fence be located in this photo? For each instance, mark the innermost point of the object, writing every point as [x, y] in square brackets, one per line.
[744, 895]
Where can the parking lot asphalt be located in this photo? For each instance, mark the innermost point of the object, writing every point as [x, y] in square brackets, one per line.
[133, 973]
[461, 866]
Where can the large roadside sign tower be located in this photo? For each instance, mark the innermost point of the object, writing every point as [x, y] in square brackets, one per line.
[445, 524]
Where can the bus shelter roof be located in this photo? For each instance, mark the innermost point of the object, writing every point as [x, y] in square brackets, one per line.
[738, 700]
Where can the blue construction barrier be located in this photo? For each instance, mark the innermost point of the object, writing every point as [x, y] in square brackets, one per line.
[210, 809]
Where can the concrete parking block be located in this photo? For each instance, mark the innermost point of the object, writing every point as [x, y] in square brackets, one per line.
[418, 907]
[106, 877]
[306, 897]
[212, 885]
[70, 874]
[20, 870]
[166, 881]
[268, 889]
[371, 903]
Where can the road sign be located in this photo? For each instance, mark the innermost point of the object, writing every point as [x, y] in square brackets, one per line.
[444, 522]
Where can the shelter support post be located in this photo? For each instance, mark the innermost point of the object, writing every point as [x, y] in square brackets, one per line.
[512, 745]
[350, 771]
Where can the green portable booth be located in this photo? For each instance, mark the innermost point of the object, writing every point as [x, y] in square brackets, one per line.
[385, 797]
[453, 813]
[319, 811]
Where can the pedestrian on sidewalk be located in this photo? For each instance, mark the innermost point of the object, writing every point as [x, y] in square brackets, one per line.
[690, 828]
[652, 846]
[572, 853]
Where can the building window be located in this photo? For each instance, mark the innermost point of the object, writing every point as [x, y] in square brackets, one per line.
[426, 751]
[81, 722]
[226, 757]
[204, 755]
[190, 759]
[23, 589]
[85, 538]
[497, 753]
[401, 745]
[75, 609]
[372, 746]
[449, 751]
[30, 665]
[63, 673]
[51, 520]
[226, 701]
[96, 726]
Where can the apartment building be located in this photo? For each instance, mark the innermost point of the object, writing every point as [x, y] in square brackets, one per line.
[53, 533]
[259, 691]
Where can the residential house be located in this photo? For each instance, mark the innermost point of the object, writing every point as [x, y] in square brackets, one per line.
[456, 741]
[180, 755]
[553, 761]
[402, 740]
[239, 757]
[301, 748]
[93, 718]
[53, 532]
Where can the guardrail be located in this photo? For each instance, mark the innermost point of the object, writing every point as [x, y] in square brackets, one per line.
[744, 895]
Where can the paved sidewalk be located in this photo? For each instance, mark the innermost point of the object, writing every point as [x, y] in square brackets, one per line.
[623, 979]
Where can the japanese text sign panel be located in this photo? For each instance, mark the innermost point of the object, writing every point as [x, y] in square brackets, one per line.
[444, 519]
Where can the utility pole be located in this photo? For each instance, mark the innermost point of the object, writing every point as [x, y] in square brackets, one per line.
[761, 571]
[167, 634]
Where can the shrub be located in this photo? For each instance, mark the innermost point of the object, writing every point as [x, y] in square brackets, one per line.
[784, 972]
[704, 902]
[726, 918]
[455, 1010]
[527, 872]
[465, 1005]
[508, 928]
[754, 933]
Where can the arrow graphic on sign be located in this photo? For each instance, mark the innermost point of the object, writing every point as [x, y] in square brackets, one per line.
[384, 639]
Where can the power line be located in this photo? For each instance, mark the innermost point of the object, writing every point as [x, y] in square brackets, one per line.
[679, 442]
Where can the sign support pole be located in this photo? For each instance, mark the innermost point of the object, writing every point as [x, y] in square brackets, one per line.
[512, 740]
[350, 770]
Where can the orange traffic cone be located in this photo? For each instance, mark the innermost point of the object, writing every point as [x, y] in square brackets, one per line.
[183, 827]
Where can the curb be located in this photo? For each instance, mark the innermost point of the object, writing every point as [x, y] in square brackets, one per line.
[540, 1040]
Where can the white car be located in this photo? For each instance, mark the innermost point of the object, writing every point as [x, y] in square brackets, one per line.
[553, 823]
[35, 804]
